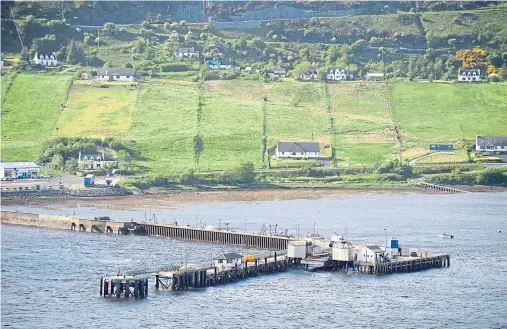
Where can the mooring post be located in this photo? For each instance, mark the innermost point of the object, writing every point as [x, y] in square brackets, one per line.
[106, 288]
[127, 289]
[146, 287]
[101, 283]
[157, 282]
[136, 289]
[117, 286]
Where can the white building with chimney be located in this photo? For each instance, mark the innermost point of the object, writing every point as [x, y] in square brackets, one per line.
[45, 60]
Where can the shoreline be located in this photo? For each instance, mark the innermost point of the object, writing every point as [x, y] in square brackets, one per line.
[163, 198]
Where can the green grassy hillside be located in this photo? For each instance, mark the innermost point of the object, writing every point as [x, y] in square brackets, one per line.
[179, 125]
[29, 114]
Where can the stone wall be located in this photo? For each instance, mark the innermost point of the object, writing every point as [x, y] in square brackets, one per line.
[65, 193]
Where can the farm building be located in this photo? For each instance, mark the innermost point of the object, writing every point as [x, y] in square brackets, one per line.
[116, 74]
[228, 260]
[297, 150]
[45, 60]
[185, 52]
[491, 143]
[310, 74]
[338, 74]
[375, 76]
[441, 147]
[19, 169]
[218, 64]
[94, 161]
[469, 75]
[276, 73]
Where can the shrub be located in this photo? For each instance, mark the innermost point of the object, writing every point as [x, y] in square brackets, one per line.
[174, 68]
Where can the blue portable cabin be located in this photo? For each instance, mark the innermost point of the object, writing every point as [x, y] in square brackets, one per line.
[441, 147]
[89, 180]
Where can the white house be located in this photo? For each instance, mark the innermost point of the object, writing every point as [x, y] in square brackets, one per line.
[469, 75]
[94, 161]
[185, 52]
[370, 254]
[375, 76]
[310, 74]
[228, 260]
[45, 60]
[19, 169]
[116, 74]
[2, 59]
[276, 73]
[297, 150]
[218, 64]
[338, 74]
[491, 143]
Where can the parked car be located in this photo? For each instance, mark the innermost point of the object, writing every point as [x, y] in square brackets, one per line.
[46, 176]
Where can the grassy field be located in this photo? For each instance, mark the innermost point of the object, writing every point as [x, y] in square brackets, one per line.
[447, 113]
[101, 112]
[230, 127]
[163, 126]
[30, 112]
[458, 156]
[361, 114]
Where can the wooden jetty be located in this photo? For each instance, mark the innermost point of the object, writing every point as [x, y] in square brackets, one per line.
[179, 279]
[439, 189]
[410, 264]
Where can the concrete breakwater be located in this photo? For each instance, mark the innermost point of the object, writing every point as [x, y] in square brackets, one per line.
[60, 222]
[93, 192]
[198, 234]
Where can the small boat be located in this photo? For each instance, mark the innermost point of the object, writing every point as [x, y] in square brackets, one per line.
[446, 236]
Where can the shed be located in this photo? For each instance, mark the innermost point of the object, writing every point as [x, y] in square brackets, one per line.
[228, 259]
[19, 169]
[441, 147]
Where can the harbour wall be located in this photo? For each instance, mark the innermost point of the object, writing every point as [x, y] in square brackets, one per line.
[226, 237]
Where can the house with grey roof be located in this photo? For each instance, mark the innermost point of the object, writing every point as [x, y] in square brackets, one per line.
[116, 74]
[491, 144]
[185, 52]
[298, 150]
[310, 74]
[228, 260]
[88, 161]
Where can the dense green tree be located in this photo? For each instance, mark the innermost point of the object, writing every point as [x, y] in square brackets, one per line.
[503, 72]
[24, 57]
[110, 28]
[74, 53]
[245, 173]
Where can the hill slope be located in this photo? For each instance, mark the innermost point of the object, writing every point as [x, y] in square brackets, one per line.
[178, 125]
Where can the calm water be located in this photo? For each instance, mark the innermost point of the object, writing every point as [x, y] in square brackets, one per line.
[50, 278]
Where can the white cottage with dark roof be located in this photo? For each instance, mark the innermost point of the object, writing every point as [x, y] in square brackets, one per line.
[88, 161]
[297, 150]
[116, 74]
[45, 60]
[338, 74]
[469, 75]
[491, 143]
